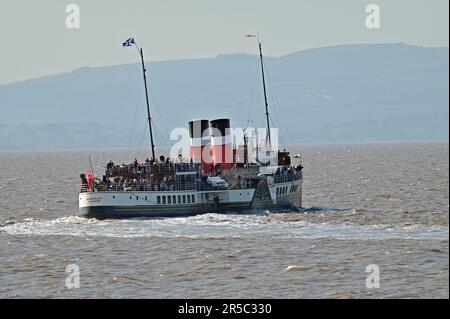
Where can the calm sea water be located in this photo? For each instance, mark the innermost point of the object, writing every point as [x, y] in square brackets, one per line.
[383, 204]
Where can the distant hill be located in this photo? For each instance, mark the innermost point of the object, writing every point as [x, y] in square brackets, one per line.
[330, 94]
[62, 136]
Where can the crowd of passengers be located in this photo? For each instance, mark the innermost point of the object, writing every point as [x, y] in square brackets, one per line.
[167, 183]
[139, 176]
[164, 165]
[284, 174]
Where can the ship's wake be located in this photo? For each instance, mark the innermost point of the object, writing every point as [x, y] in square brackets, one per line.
[211, 226]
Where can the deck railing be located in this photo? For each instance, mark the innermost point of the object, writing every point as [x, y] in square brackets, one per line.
[129, 178]
[287, 177]
[142, 170]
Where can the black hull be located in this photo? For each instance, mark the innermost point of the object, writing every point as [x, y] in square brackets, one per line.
[109, 212]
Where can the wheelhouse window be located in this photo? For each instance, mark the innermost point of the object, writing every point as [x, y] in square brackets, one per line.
[193, 198]
[164, 199]
[184, 199]
[158, 199]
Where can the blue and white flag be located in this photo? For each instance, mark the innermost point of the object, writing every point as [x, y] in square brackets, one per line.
[128, 43]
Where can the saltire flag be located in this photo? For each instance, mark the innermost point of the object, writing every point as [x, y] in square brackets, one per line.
[250, 35]
[128, 43]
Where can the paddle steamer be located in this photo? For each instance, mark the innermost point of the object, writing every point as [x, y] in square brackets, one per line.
[219, 177]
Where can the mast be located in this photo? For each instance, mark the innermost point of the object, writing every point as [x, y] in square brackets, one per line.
[265, 95]
[148, 107]
[245, 147]
[257, 146]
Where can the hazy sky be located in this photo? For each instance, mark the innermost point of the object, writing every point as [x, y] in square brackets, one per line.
[35, 41]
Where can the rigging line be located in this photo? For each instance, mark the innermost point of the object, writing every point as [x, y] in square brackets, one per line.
[135, 111]
[134, 121]
[139, 145]
[271, 96]
[276, 113]
[279, 113]
[260, 121]
[158, 133]
[253, 92]
[265, 73]
[277, 102]
[155, 128]
[281, 137]
[161, 139]
[164, 124]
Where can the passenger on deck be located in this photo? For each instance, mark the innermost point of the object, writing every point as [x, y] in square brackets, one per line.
[84, 182]
[110, 164]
